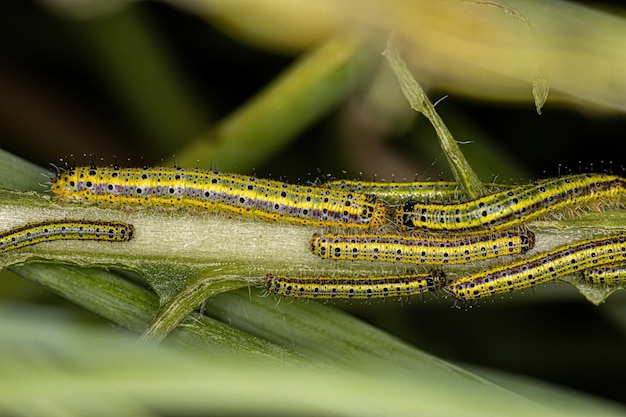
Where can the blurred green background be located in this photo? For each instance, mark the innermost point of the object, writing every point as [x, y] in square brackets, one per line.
[169, 82]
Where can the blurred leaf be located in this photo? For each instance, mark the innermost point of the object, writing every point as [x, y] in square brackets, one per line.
[303, 94]
[461, 47]
[53, 366]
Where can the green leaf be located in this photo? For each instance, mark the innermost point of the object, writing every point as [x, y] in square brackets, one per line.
[61, 367]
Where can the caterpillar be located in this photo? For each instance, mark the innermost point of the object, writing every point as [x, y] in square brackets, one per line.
[355, 288]
[510, 208]
[49, 230]
[430, 250]
[612, 275]
[400, 191]
[395, 192]
[209, 190]
[541, 268]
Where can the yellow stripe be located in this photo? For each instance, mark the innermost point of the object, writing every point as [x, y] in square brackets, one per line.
[395, 192]
[568, 259]
[354, 288]
[49, 230]
[198, 190]
[511, 208]
[426, 249]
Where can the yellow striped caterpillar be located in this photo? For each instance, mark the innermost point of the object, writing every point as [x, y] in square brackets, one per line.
[610, 275]
[49, 230]
[421, 249]
[541, 268]
[510, 208]
[355, 288]
[395, 192]
[199, 190]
